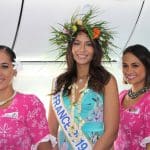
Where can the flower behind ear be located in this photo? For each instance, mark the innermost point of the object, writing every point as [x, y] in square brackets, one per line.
[17, 65]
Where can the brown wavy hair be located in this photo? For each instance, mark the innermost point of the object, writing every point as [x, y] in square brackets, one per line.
[99, 76]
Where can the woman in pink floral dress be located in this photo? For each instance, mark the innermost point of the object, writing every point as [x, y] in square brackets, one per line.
[134, 130]
[23, 123]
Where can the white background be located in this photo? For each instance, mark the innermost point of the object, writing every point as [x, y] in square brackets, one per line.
[32, 44]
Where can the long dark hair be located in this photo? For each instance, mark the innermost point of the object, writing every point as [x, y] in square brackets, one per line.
[143, 54]
[9, 52]
[98, 75]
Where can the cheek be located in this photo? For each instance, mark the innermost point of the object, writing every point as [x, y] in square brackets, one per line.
[73, 55]
[73, 51]
[91, 52]
[75, 48]
[143, 75]
[123, 71]
[10, 74]
[91, 57]
[14, 73]
[126, 70]
[142, 71]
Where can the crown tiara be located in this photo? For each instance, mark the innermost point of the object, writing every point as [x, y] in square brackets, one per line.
[96, 30]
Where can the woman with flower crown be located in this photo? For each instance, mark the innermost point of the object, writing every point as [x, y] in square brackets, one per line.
[84, 106]
[23, 122]
[134, 129]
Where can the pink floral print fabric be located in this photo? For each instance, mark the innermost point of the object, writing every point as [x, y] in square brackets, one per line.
[134, 127]
[23, 123]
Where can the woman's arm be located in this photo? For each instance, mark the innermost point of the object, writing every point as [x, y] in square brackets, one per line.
[111, 116]
[45, 146]
[148, 146]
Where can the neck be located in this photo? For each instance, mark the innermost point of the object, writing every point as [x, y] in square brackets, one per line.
[137, 87]
[4, 94]
[82, 70]
[3, 102]
[83, 76]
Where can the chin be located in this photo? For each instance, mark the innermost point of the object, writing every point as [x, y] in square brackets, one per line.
[131, 82]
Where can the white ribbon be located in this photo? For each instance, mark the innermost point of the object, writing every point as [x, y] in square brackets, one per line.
[76, 138]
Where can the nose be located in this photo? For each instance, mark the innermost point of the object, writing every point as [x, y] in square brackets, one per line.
[83, 47]
[0, 71]
[128, 70]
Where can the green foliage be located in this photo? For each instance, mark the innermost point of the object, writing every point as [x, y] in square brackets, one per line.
[96, 30]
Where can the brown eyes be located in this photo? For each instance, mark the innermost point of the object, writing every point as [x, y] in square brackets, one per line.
[78, 43]
[4, 66]
[133, 66]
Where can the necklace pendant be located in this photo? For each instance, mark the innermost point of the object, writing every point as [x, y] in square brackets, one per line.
[80, 81]
[134, 95]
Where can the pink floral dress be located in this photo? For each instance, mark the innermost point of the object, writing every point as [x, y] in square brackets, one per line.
[134, 130]
[23, 124]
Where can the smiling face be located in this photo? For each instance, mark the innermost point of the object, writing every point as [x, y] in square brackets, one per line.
[6, 71]
[82, 49]
[133, 70]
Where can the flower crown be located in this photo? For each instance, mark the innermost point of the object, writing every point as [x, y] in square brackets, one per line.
[95, 30]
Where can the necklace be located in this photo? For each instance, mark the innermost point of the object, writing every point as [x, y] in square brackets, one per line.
[134, 95]
[3, 102]
[81, 78]
[77, 103]
[75, 88]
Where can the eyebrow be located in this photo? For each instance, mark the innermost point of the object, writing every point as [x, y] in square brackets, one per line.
[137, 63]
[80, 41]
[4, 63]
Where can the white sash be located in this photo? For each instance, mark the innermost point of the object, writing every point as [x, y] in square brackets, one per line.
[76, 138]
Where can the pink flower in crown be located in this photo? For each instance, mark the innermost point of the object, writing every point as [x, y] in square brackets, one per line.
[65, 31]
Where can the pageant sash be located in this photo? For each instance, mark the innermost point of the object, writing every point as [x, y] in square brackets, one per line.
[76, 138]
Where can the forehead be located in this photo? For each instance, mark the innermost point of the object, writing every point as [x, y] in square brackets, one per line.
[130, 58]
[82, 35]
[4, 57]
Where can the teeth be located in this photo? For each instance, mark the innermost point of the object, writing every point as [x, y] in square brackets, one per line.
[82, 56]
[130, 77]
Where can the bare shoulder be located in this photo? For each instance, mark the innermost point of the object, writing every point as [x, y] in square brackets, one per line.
[111, 93]
[111, 88]
[112, 82]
